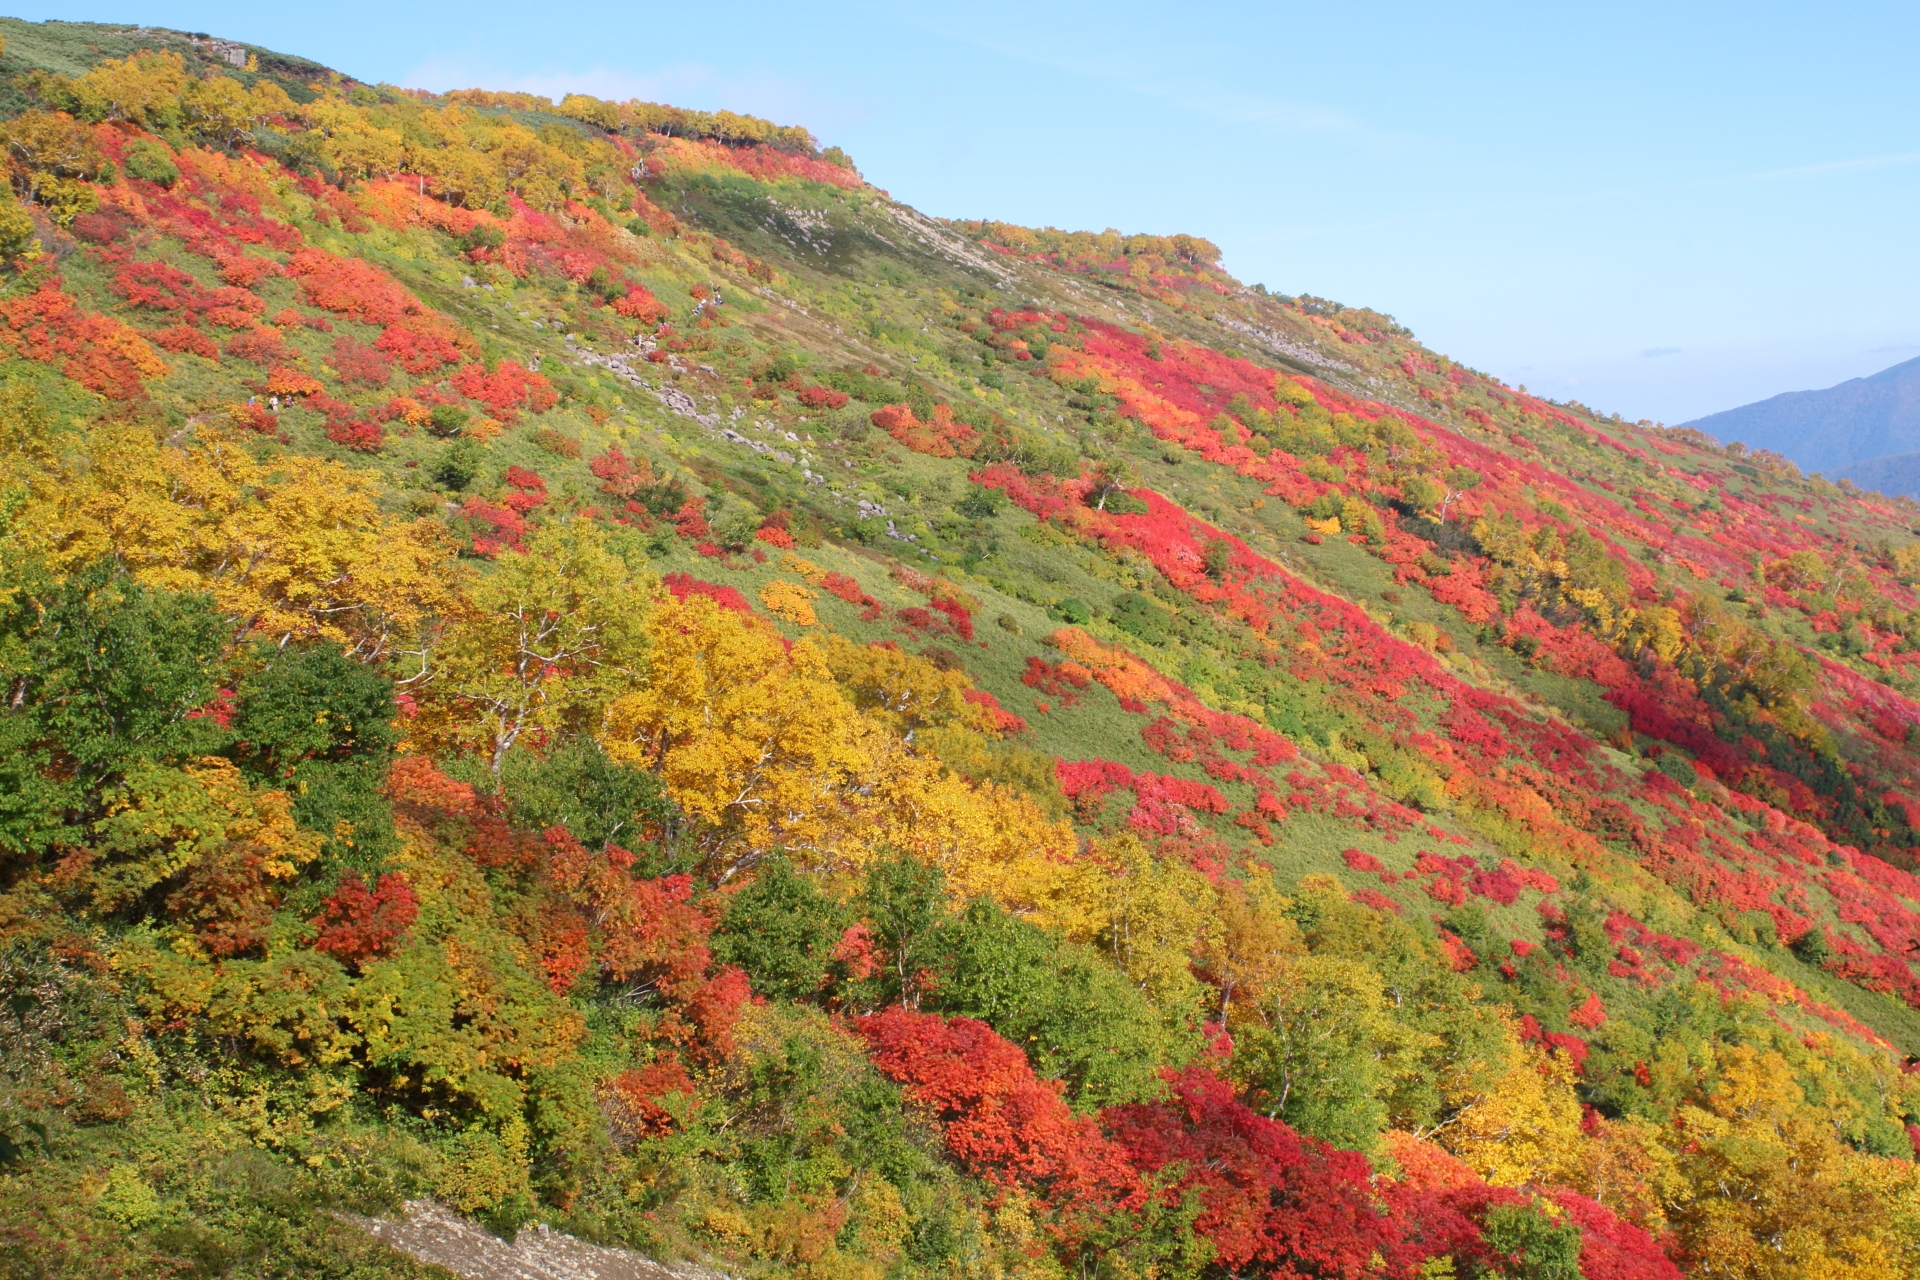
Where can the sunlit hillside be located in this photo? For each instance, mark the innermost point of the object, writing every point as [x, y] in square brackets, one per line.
[580, 660]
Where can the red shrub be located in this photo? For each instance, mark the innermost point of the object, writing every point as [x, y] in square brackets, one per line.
[646, 933]
[683, 585]
[358, 363]
[635, 1097]
[639, 304]
[775, 537]
[262, 345]
[1292, 1206]
[495, 529]
[999, 1121]
[357, 925]
[417, 352]
[101, 354]
[1611, 1249]
[181, 338]
[350, 287]
[505, 390]
[943, 437]
[822, 398]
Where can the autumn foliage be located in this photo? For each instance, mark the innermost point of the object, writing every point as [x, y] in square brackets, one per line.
[518, 705]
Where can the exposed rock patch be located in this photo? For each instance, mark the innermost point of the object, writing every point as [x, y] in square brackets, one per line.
[434, 1234]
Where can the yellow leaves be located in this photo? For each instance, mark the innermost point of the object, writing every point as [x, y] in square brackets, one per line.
[1906, 563]
[1625, 1165]
[544, 641]
[1287, 391]
[1252, 946]
[350, 142]
[285, 1009]
[802, 568]
[143, 88]
[790, 602]
[904, 689]
[163, 820]
[543, 175]
[1526, 1128]
[987, 838]
[299, 552]
[488, 1169]
[752, 741]
[763, 750]
[1329, 526]
[1776, 1194]
[1149, 914]
[1360, 517]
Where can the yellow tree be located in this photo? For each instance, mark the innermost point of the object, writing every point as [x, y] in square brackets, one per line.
[902, 688]
[753, 742]
[1151, 915]
[299, 550]
[163, 820]
[543, 642]
[1773, 1193]
[764, 750]
[1252, 947]
[989, 839]
[143, 89]
[1526, 1127]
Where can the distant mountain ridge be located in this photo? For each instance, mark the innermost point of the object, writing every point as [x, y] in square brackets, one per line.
[1893, 474]
[1830, 428]
[1827, 430]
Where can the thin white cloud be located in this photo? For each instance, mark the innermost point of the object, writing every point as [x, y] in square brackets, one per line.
[1617, 195]
[1832, 167]
[1208, 100]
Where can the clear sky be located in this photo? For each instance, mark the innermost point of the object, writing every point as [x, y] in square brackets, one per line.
[1660, 209]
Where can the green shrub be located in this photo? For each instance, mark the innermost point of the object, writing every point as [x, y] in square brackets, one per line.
[150, 162]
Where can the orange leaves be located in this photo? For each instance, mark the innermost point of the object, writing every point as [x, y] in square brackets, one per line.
[290, 382]
[188, 341]
[350, 287]
[418, 352]
[420, 338]
[619, 475]
[943, 437]
[262, 345]
[356, 362]
[638, 303]
[100, 353]
[762, 162]
[159, 287]
[254, 417]
[506, 389]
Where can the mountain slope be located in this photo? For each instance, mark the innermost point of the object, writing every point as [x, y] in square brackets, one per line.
[580, 659]
[1895, 473]
[1829, 431]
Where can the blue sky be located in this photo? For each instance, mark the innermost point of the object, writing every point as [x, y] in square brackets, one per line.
[1661, 210]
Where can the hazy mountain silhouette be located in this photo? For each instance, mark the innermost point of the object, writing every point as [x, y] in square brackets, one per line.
[1861, 419]
[1893, 473]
